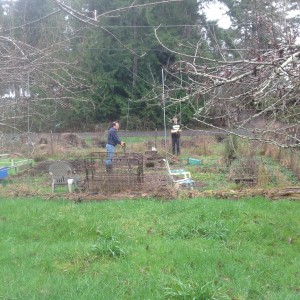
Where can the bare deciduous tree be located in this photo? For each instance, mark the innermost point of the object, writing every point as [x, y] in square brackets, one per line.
[254, 97]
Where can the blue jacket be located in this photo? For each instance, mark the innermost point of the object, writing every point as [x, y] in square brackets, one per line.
[112, 137]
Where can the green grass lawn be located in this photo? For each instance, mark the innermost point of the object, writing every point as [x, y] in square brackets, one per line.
[146, 249]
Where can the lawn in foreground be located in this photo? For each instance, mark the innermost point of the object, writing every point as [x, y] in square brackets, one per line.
[146, 249]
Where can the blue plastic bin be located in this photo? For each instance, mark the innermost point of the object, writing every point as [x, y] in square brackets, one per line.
[3, 173]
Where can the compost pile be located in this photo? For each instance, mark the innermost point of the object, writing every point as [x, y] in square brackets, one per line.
[46, 145]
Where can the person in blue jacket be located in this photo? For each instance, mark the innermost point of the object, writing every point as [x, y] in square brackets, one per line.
[112, 141]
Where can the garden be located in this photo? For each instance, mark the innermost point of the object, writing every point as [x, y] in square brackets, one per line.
[219, 165]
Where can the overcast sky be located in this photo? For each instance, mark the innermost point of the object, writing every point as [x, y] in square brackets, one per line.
[217, 12]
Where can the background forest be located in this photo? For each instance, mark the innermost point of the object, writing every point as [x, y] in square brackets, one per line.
[75, 64]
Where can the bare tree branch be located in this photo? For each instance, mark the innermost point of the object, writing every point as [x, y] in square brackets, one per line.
[241, 97]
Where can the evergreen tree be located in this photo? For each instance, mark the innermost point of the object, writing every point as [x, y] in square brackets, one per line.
[124, 58]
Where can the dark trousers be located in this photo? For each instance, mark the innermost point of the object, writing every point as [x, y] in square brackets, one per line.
[175, 145]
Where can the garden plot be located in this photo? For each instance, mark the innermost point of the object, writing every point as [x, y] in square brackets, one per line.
[140, 171]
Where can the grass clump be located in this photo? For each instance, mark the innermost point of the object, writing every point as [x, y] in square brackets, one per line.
[208, 230]
[177, 289]
[109, 245]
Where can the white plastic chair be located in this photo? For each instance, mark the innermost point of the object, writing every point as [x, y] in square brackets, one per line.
[176, 174]
[62, 174]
